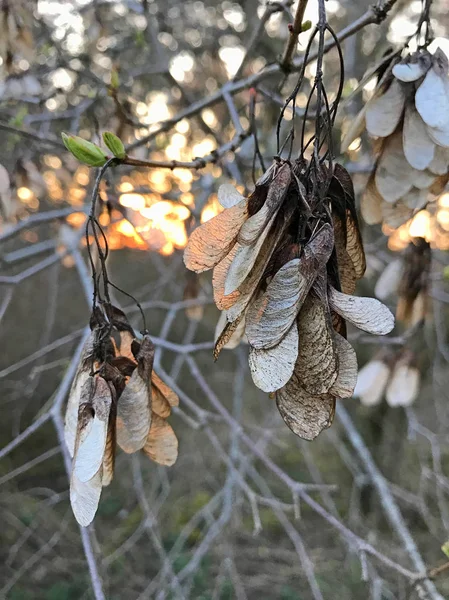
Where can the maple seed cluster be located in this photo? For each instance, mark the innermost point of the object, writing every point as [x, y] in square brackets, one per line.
[409, 116]
[408, 277]
[394, 375]
[285, 263]
[116, 397]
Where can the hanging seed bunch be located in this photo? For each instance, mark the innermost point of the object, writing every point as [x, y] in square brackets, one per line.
[285, 263]
[116, 398]
[395, 376]
[409, 117]
[408, 278]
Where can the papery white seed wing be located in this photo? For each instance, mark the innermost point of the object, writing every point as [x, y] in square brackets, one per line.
[388, 282]
[272, 368]
[384, 112]
[92, 432]
[371, 382]
[419, 149]
[271, 316]
[228, 196]
[432, 100]
[367, 314]
[81, 377]
[403, 387]
[71, 415]
[408, 72]
[85, 496]
[394, 174]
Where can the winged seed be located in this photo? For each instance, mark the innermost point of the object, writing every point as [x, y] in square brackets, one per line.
[85, 496]
[134, 405]
[272, 368]
[209, 243]
[344, 385]
[305, 414]
[228, 196]
[419, 149]
[277, 191]
[317, 364]
[432, 100]
[92, 431]
[384, 112]
[367, 314]
[162, 443]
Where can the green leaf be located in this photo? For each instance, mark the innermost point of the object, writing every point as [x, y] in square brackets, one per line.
[445, 548]
[306, 26]
[115, 81]
[84, 151]
[114, 144]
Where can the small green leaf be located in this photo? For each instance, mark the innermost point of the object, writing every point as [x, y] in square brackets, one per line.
[115, 81]
[114, 144]
[445, 548]
[306, 26]
[84, 151]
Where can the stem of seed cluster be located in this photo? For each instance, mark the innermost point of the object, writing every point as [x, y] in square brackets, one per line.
[319, 74]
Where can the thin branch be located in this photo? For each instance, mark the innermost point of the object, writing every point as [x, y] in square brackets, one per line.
[295, 29]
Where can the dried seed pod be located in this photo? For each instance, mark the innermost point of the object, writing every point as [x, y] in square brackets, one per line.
[134, 405]
[90, 446]
[413, 303]
[209, 243]
[271, 368]
[161, 444]
[85, 366]
[409, 112]
[388, 282]
[272, 285]
[403, 386]
[271, 317]
[372, 380]
[305, 414]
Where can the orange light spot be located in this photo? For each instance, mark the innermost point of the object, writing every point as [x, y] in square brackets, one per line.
[76, 219]
[25, 194]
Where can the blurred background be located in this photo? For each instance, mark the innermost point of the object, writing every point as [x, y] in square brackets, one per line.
[249, 510]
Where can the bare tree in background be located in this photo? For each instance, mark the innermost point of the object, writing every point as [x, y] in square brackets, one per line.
[194, 90]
